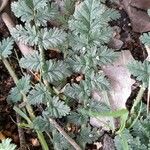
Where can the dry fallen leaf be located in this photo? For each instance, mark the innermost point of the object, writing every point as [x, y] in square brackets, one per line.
[2, 136]
[115, 41]
[142, 4]
[121, 82]
[140, 20]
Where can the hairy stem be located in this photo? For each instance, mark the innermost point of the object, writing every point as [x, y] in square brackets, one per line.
[28, 107]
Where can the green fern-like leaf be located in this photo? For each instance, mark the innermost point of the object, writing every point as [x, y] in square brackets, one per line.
[47, 38]
[5, 47]
[79, 92]
[66, 12]
[77, 118]
[6, 145]
[31, 61]
[22, 87]
[68, 8]
[38, 11]
[42, 124]
[39, 94]
[27, 35]
[91, 59]
[87, 135]
[57, 108]
[127, 141]
[60, 143]
[145, 38]
[105, 55]
[81, 63]
[97, 81]
[96, 106]
[56, 71]
[52, 38]
[91, 22]
[141, 129]
[141, 71]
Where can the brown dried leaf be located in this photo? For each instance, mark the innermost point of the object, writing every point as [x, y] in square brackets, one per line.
[2, 136]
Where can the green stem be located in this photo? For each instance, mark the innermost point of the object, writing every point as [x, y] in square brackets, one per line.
[10, 70]
[28, 107]
[138, 98]
[42, 140]
[42, 62]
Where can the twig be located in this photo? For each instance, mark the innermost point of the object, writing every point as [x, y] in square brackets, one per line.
[66, 136]
[20, 132]
[10, 24]
[3, 5]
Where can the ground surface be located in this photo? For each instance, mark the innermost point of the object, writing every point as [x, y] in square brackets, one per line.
[8, 127]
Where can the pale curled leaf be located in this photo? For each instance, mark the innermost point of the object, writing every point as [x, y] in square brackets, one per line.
[148, 52]
[120, 79]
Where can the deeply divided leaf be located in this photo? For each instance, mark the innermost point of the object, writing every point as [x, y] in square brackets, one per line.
[31, 61]
[38, 11]
[141, 71]
[6, 45]
[23, 86]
